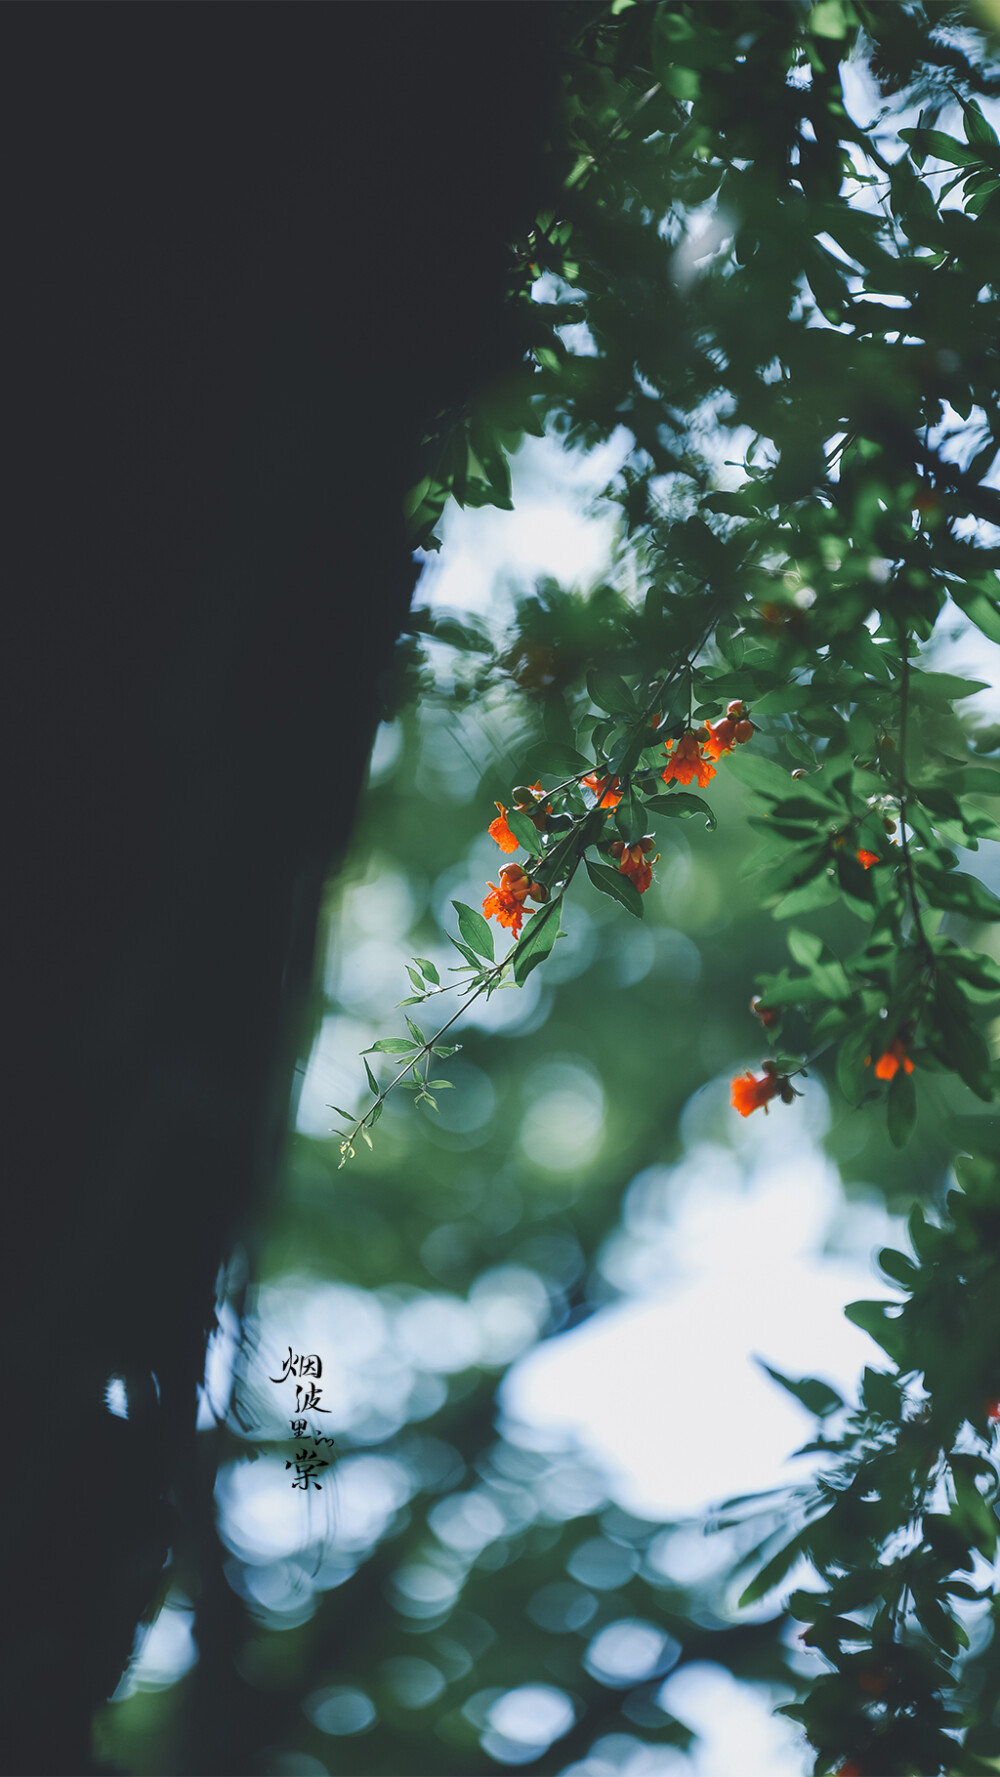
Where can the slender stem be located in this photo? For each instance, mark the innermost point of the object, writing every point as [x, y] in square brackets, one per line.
[907, 860]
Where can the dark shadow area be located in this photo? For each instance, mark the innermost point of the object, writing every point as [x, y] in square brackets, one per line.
[252, 253]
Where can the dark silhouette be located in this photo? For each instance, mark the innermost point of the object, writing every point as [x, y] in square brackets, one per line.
[250, 254]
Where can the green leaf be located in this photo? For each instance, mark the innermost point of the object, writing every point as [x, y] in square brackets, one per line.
[759, 773]
[472, 960]
[821, 892]
[428, 970]
[524, 831]
[773, 1572]
[976, 127]
[817, 1397]
[613, 883]
[944, 689]
[415, 979]
[880, 1321]
[830, 18]
[880, 1394]
[415, 1032]
[980, 198]
[805, 947]
[943, 147]
[955, 892]
[902, 1108]
[474, 930]
[535, 943]
[390, 1046]
[610, 692]
[555, 759]
[973, 598]
[373, 1083]
[681, 805]
[897, 1266]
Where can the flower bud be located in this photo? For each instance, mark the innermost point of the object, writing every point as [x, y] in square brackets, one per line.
[889, 825]
[616, 848]
[538, 891]
[743, 732]
[800, 773]
[736, 711]
[523, 796]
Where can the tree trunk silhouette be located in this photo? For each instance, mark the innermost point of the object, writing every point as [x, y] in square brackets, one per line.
[253, 252]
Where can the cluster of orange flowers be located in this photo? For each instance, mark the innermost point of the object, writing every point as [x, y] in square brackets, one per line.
[691, 756]
[506, 903]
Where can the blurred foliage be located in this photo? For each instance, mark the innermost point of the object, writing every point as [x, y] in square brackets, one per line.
[731, 252]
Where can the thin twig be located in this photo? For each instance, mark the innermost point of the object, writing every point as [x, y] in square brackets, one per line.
[907, 860]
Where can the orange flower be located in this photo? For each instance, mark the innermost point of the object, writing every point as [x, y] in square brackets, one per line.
[888, 1064]
[608, 790]
[636, 863]
[868, 858]
[721, 738]
[526, 800]
[500, 831]
[506, 903]
[748, 1093]
[688, 761]
[502, 905]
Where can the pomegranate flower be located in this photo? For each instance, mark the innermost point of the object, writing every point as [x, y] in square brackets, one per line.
[529, 799]
[868, 858]
[721, 738]
[500, 831]
[734, 730]
[635, 861]
[688, 761]
[889, 1063]
[608, 790]
[748, 1093]
[506, 903]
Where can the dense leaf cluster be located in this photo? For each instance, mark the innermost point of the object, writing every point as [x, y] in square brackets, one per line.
[902, 1528]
